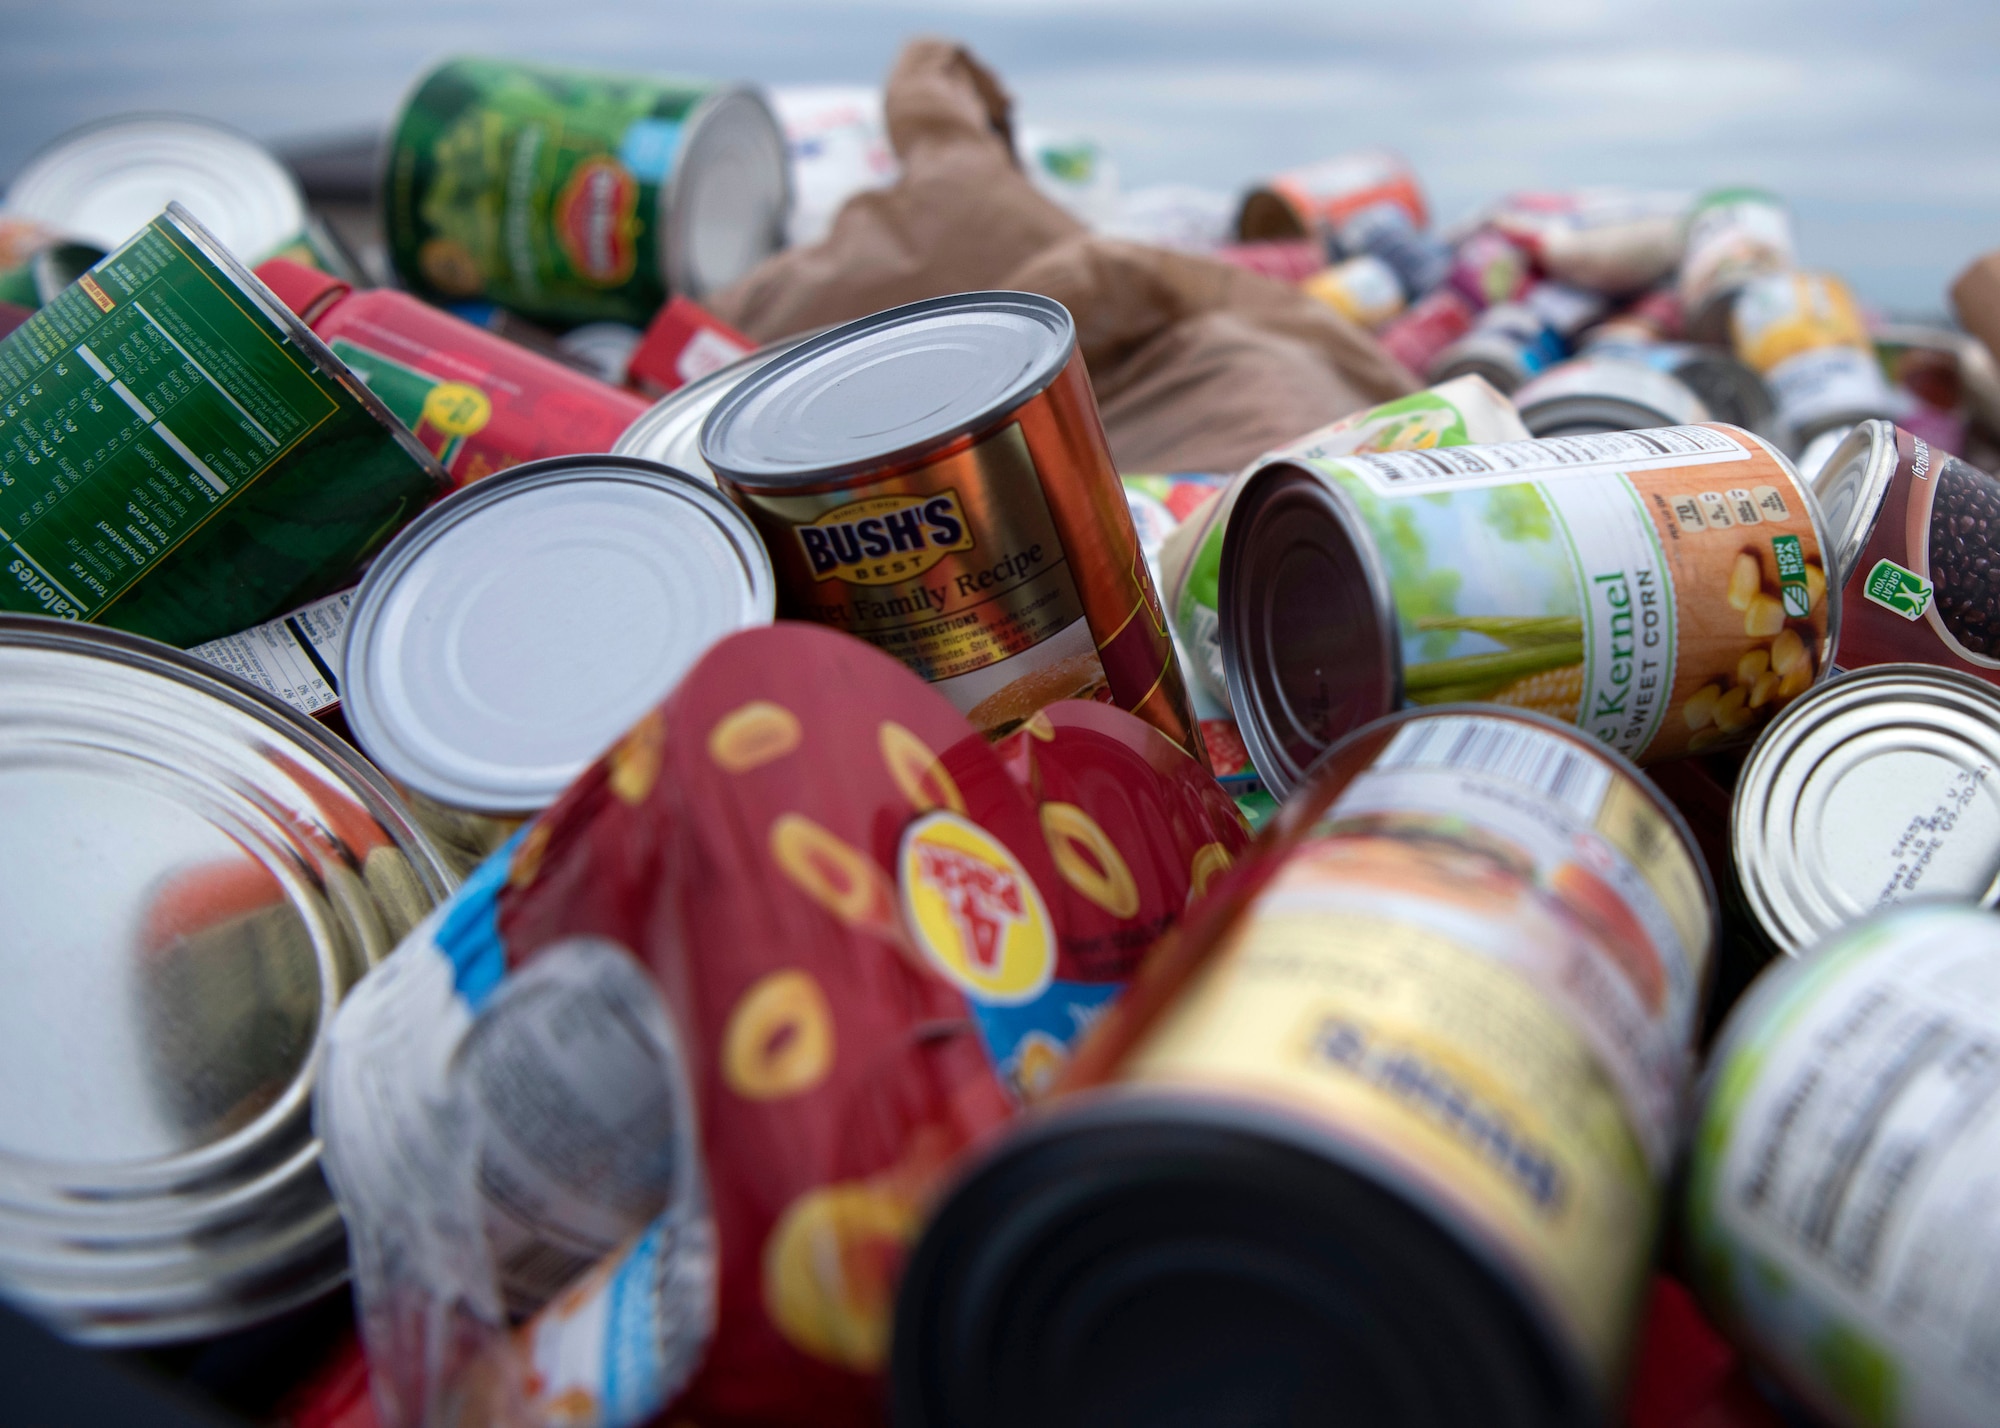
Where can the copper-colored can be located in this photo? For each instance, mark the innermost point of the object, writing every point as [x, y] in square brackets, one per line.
[935, 480]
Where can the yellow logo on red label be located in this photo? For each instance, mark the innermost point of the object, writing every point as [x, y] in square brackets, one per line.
[974, 911]
[595, 221]
[884, 540]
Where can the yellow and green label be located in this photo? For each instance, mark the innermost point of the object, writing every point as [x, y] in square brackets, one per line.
[173, 463]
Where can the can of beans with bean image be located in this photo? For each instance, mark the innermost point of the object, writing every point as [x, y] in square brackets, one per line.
[1663, 590]
[1916, 542]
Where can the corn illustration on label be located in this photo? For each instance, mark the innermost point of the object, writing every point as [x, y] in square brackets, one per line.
[1663, 590]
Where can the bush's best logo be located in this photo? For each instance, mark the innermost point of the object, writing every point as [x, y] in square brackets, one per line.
[885, 540]
[595, 221]
[975, 911]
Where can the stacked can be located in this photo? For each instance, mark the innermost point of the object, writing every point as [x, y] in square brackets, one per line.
[1804, 335]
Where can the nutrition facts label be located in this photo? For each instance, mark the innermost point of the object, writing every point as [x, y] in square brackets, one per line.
[132, 408]
[1396, 473]
[296, 658]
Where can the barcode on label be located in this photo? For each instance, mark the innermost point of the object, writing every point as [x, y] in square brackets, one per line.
[1520, 753]
[1391, 471]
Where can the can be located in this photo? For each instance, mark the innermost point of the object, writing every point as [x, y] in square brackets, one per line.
[195, 875]
[1877, 789]
[1803, 333]
[1730, 390]
[100, 184]
[1837, 1212]
[1432, 324]
[1462, 412]
[1913, 552]
[836, 145]
[1379, 1138]
[682, 344]
[1733, 235]
[1610, 240]
[475, 401]
[1488, 268]
[1315, 200]
[604, 349]
[1364, 290]
[1386, 231]
[669, 431]
[1594, 394]
[510, 633]
[935, 479]
[183, 458]
[1565, 307]
[1662, 589]
[1508, 344]
[574, 197]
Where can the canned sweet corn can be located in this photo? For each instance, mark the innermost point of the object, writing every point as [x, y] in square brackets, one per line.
[1664, 590]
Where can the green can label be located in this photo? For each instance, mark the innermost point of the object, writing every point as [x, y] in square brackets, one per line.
[1894, 588]
[171, 461]
[537, 188]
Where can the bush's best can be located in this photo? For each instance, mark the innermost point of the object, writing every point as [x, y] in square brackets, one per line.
[1664, 589]
[935, 480]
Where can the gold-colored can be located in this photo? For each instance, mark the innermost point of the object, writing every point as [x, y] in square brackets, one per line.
[935, 480]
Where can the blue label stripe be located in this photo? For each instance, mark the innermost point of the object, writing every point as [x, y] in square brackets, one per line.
[470, 933]
[633, 1383]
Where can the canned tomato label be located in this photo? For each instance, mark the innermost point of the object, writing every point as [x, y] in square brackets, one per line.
[567, 195]
[181, 458]
[1840, 1199]
[1662, 589]
[961, 514]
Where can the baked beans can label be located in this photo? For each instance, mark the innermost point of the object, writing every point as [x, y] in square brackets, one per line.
[1480, 970]
[1841, 1194]
[1663, 589]
[956, 568]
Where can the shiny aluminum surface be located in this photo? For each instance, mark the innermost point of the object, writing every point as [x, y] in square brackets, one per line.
[510, 633]
[102, 183]
[1878, 787]
[669, 431]
[724, 210]
[1850, 486]
[193, 877]
[1593, 394]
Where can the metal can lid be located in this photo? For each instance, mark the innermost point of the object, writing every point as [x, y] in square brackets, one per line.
[1593, 394]
[1850, 487]
[510, 633]
[888, 388]
[725, 209]
[195, 875]
[1310, 646]
[1876, 788]
[103, 182]
[669, 431]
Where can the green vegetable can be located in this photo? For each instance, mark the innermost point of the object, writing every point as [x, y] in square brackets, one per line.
[576, 197]
[1663, 590]
[1842, 1218]
[180, 457]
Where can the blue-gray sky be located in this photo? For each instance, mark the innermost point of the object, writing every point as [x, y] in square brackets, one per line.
[1879, 122]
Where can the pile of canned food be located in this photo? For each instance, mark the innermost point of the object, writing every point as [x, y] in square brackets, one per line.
[731, 884]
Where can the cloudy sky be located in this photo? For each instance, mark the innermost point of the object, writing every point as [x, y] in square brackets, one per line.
[1878, 122]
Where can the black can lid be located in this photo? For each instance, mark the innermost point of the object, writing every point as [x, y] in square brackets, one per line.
[888, 388]
[1176, 1261]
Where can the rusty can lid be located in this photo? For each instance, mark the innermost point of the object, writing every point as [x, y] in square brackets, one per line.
[195, 876]
[1876, 788]
[510, 633]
